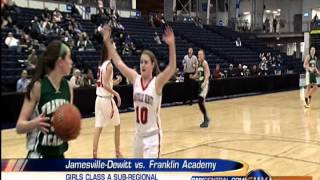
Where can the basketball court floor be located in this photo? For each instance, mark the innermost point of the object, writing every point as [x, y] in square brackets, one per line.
[273, 132]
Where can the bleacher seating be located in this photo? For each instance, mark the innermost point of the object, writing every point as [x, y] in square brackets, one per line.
[250, 41]
[216, 41]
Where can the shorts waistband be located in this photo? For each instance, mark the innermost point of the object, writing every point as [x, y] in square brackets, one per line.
[106, 97]
[148, 134]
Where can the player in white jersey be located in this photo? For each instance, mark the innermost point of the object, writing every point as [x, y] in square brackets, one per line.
[147, 93]
[106, 110]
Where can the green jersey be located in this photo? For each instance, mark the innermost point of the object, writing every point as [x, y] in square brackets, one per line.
[313, 63]
[50, 145]
[200, 72]
[311, 75]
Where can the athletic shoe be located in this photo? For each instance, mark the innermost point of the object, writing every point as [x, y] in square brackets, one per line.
[306, 102]
[205, 123]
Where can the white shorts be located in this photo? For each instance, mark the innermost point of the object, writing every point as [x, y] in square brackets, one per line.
[204, 91]
[106, 111]
[34, 155]
[147, 147]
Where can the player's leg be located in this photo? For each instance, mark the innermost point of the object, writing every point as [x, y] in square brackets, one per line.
[202, 107]
[152, 146]
[307, 92]
[138, 147]
[102, 111]
[312, 92]
[116, 123]
[313, 81]
[96, 137]
[117, 141]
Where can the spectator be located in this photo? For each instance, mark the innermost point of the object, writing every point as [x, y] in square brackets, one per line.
[162, 19]
[70, 27]
[263, 66]
[238, 42]
[46, 26]
[32, 59]
[157, 38]
[88, 79]
[217, 74]
[315, 18]
[245, 71]
[134, 49]
[6, 19]
[151, 21]
[17, 30]
[177, 76]
[46, 14]
[68, 38]
[267, 25]
[126, 50]
[254, 71]
[231, 71]
[274, 24]
[77, 28]
[128, 40]
[84, 43]
[76, 80]
[239, 71]
[175, 16]
[67, 19]
[25, 44]
[23, 82]
[74, 10]
[56, 15]
[35, 27]
[11, 41]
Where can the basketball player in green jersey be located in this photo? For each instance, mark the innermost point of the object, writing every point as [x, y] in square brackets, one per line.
[47, 91]
[202, 76]
[310, 65]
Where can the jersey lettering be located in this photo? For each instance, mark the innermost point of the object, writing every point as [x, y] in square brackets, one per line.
[52, 106]
[143, 112]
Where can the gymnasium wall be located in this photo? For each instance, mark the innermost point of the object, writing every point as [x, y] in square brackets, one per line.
[84, 98]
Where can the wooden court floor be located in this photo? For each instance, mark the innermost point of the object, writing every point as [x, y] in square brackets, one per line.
[272, 132]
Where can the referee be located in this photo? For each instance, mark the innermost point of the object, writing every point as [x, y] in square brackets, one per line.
[190, 64]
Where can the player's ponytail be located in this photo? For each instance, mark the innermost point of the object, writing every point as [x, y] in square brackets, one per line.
[46, 62]
[154, 60]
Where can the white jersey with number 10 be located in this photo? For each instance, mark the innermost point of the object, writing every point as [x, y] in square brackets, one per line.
[147, 105]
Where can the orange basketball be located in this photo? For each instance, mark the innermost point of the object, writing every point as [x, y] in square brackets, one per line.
[67, 122]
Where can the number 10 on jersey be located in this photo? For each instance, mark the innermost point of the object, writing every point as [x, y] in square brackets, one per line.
[142, 115]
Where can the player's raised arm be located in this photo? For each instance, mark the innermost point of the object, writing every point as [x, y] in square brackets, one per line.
[169, 71]
[123, 68]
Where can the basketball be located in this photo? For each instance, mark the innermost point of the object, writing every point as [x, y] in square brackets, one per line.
[66, 122]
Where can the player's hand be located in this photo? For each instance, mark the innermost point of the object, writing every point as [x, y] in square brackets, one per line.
[168, 36]
[118, 99]
[119, 78]
[42, 123]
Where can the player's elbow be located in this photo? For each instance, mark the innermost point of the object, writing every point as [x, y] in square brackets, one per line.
[19, 130]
